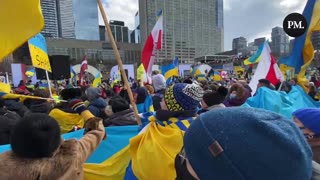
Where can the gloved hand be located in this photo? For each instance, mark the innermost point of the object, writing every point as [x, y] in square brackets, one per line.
[93, 124]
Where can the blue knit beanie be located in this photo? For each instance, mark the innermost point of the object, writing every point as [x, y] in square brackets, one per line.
[181, 97]
[310, 118]
[247, 144]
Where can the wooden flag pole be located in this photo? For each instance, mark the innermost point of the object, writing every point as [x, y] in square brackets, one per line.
[119, 61]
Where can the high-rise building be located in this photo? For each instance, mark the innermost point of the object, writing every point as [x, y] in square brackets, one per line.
[252, 49]
[119, 31]
[102, 33]
[50, 14]
[86, 19]
[239, 44]
[137, 28]
[66, 19]
[259, 41]
[280, 44]
[316, 40]
[192, 28]
[291, 45]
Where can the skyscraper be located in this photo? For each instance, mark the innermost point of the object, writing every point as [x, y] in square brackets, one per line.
[119, 31]
[239, 44]
[192, 28]
[86, 19]
[137, 28]
[280, 42]
[259, 41]
[50, 14]
[66, 19]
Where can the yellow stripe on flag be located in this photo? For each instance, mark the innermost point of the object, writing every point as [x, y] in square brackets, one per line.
[308, 50]
[39, 58]
[171, 73]
[20, 20]
[5, 88]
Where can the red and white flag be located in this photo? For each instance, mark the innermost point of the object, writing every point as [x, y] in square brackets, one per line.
[267, 69]
[153, 43]
[84, 67]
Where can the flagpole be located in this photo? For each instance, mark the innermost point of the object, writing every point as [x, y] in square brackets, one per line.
[49, 83]
[7, 77]
[119, 61]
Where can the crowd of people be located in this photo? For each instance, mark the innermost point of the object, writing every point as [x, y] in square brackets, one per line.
[216, 139]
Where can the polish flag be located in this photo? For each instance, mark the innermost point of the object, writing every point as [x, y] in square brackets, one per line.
[153, 43]
[84, 67]
[267, 69]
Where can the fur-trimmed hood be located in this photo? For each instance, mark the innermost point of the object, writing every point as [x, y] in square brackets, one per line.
[64, 164]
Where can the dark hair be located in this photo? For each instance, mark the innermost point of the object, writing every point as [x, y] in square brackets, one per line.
[214, 98]
[72, 93]
[41, 93]
[118, 104]
[142, 94]
[35, 136]
[6, 125]
[265, 81]
[2, 102]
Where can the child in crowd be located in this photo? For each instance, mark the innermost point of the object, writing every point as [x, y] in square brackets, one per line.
[39, 152]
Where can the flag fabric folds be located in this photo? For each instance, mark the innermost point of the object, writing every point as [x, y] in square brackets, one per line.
[141, 73]
[256, 57]
[171, 69]
[267, 69]
[4, 88]
[30, 72]
[281, 102]
[84, 67]
[161, 140]
[303, 51]
[73, 74]
[20, 20]
[112, 157]
[97, 80]
[153, 43]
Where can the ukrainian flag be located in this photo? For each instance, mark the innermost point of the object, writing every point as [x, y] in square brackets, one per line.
[97, 80]
[30, 72]
[303, 51]
[256, 57]
[20, 20]
[214, 75]
[171, 70]
[73, 74]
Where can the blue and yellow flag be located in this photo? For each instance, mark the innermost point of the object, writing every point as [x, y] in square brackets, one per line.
[20, 20]
[303, 51]
[256, 57]
[215, 75]
[97, 80]
[39, 53]
[30, 72]
[171, 69]
[73, 74]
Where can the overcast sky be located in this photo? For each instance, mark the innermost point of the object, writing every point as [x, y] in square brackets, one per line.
[248, 18]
